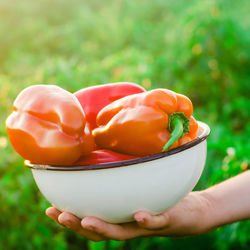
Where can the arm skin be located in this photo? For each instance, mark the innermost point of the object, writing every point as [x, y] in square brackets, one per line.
[198, 213]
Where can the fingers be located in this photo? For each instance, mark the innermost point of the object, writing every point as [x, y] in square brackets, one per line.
[96, 229]
[74, 223]
[151, 222]
[113, 231]
[70, 221]
[53, 213]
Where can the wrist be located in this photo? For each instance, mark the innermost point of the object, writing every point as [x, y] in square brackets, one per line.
[217, 212]
[210, 211]
[230, 200]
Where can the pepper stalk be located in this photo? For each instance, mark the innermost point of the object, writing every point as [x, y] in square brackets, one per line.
[178, 126]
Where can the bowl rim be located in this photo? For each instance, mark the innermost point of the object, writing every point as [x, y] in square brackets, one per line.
[203, 136]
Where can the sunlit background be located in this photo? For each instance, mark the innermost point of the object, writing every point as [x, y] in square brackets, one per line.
[198, 48]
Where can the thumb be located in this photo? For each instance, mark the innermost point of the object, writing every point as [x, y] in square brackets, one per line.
[151, 222]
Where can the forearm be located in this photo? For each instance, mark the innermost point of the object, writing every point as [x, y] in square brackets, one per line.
[230, 200]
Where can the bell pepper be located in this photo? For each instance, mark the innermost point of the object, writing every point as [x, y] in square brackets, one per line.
[48, 126]
[94, 98]
[146, 123]
[103, 156]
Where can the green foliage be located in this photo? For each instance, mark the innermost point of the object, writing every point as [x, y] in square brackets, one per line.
[198, 48]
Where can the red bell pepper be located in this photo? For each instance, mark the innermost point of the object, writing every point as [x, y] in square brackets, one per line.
[103, 156]
[94, 98]
[48, 126]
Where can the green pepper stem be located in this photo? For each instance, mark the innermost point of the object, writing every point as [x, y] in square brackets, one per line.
[178, 126]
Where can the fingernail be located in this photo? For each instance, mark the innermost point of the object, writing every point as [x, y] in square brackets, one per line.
[141, 220]
[91, 228]
[67, 223]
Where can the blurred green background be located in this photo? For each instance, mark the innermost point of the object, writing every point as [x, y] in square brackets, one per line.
[198, 48]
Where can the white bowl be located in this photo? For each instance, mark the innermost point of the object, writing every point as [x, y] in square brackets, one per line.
[115, 191]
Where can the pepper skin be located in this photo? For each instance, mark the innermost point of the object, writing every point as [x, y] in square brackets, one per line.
[103, 156]
[48, 126]
[146, 123]
[94, 98]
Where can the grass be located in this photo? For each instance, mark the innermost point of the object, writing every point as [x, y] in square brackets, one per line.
[198, 48]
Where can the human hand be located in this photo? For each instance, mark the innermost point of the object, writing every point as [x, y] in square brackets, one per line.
[191, 216]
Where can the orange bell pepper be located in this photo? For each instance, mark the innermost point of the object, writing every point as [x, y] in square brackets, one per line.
[48, 126]
[146, 123]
